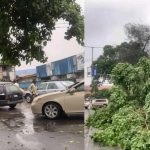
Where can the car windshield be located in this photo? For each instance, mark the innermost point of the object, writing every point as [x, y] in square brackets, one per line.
[67, 83]
[60, 85]
[42, 86]
[12, 89]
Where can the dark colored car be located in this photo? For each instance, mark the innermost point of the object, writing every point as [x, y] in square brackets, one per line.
[10, 94]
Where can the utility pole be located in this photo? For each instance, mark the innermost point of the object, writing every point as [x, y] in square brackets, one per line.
[92, 54]
[93, 47]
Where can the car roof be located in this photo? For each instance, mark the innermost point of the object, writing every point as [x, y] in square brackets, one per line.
[48, 81]
[55, 81]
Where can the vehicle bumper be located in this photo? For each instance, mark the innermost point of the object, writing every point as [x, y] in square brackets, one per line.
[36, 109]
[7, 103]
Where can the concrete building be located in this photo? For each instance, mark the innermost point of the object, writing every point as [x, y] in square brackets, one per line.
[25, 77]
[71, 68]
[7, 73]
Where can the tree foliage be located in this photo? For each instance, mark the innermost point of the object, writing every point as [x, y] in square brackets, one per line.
[140, 34]
[26, 26]
[126, 52]
[125, 122]
[107, 61]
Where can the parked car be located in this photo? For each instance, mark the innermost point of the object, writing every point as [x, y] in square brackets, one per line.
[95, 103]
[53, 105]
[51, 86]
[105, 85]
[27, 95]
[10, 94]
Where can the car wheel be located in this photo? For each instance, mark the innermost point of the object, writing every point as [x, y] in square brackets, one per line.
[12, 106]
[51, 110]
[29, 98]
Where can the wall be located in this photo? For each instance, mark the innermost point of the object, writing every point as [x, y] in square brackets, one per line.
[44, 70]
[80, 62]
[64, 66]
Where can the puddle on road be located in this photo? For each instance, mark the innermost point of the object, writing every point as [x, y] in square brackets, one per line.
[22, 120]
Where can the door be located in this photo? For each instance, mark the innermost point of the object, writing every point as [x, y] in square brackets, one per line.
[74, 101]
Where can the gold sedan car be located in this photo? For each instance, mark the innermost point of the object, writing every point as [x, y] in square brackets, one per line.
[53, 105]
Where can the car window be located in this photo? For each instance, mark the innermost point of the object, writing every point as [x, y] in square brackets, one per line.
[60, 85]
[12, 89]
[52, 86]
[80, 87]
[1, 90]
[42, 86]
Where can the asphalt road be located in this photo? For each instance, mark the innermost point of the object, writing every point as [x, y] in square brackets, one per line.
[21, 130]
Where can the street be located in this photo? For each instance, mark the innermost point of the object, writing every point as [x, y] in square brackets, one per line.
[21, 130]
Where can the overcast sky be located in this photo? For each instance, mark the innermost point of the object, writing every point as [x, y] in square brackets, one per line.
[58, 47]
[105, 20]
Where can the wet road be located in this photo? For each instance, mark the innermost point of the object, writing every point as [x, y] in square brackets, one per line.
[20, 130]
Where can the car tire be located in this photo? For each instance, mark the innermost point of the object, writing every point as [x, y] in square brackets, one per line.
[12, 106]
[29, 98]
[52, 111]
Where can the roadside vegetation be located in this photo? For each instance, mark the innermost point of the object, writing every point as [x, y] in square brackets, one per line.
[125, 122]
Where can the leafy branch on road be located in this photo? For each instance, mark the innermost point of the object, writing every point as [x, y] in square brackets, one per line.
[125, 122]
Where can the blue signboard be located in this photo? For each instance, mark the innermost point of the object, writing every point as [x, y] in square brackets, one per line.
[94, 71]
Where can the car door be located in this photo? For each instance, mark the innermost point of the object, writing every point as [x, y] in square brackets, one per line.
[74, 101]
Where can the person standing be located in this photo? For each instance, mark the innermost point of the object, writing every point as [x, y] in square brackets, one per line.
[33, 88]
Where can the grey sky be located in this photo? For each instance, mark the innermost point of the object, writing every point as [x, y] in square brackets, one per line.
[58, 47]
[105, 20]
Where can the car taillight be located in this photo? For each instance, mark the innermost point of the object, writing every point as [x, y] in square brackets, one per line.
[8, 97]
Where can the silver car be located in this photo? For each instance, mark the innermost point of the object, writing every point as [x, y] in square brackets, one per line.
[52, 86]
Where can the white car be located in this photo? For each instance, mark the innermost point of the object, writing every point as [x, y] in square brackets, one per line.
[99, 103]
[51, 86]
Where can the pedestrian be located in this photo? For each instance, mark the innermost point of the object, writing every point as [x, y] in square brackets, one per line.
[16, 83]
[33, 88]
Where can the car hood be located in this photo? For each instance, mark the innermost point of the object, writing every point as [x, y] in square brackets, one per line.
[51, 95]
